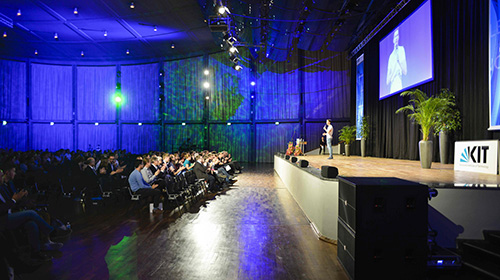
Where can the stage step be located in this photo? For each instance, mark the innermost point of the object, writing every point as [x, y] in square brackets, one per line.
[482, 256]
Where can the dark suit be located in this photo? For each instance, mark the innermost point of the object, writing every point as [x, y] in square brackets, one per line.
[91, 181]
[5, 205]
[201, 173]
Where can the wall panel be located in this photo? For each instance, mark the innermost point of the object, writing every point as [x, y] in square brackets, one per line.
[273, 138]
[52, 137]
[95, 89]
[176, 136]
[14, 136]
[140, 139]
[101, 136]
[12, 90]
[235, 138]
[140, 88]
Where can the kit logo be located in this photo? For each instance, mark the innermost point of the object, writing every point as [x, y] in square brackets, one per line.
[474, 155]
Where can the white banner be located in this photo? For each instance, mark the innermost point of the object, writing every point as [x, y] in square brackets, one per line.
[477, 156]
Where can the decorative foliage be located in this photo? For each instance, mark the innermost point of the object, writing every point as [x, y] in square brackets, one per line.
[347, 134]
[423, 110]
[448, 119]
[365, 127]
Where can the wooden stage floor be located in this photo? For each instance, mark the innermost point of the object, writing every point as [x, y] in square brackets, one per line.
[355, 166]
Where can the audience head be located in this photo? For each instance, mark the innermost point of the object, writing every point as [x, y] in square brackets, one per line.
[138, 164]
[9, 172]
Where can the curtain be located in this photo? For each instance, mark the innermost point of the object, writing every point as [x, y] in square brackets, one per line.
[94, 93]
[102, 136]
[277, 91]
[140, 88]
[184, 136]
[233, 138]
[271, 138]
[230, 90]
[12, 90]
[140, 139]
[184, 93]
[14, 136]
[51, 92]
[52, 137]
[326, 85]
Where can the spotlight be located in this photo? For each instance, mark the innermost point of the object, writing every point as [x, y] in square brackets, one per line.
[183, 123]
[128, 52]
[82, 54]
[36, 52]
[75, 11]
[277, 123]
[51, 123]
[233, 49]
[155, 28]
[234, 58]
[228, 123]
[96, 124]
[231, 40]
[105, 33]
[4, 123]
[207, 97]
[206, 85]
[252, 83]
[222, 10]
[237, 67]
[18, 13]
[173, 46]
[139, 124]
[132, 6]
[206, 72]
[4, 34]
[56, 36]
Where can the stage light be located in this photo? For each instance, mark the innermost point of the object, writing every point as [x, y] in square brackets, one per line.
[36, 52]
[4, 34]
[232, 40]
[4, 123]
[233, 49]
[132, 6]
[206, 85]
[75, 11]
[234, 58]
[173, 46]
[222, 10]
[51, 123]
[56, 36]
[252, 83]
[128, 52]
[155, 28]
[207, 97]
[118, 98]
[96, 124]
[237, 67]
[228, 123]
[252, 97]
[139, 124]
[105, 33]
[18, 13]
[82, 54]
[184, 123]
[277, 123]
[206, 72]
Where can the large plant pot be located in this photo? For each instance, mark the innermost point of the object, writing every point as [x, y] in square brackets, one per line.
[347, 150]
[425, 151]
[443, 147]
[363, 147]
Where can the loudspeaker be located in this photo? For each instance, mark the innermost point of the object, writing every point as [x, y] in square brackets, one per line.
[329, 171]
[287, 157]
[294, 159]
[303, 163]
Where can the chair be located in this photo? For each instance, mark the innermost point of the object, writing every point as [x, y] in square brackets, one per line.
[133, 196]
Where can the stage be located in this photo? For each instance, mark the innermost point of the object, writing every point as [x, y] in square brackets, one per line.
[439, 174]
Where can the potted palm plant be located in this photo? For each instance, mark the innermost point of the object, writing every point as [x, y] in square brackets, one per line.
[365, 130]
[347, 135]
[424, 110]
[448, 119]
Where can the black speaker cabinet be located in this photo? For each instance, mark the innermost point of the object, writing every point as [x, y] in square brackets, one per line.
[294, 159]
[287, 157]
[329, 171]
[382, 228]
[303, 163]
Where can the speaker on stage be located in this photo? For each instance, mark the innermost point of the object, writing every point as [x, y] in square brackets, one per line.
[303, 163]
[329, 171]
[294, 159]
[287, 157]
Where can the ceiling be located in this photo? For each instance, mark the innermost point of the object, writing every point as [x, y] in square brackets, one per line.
[110, 30]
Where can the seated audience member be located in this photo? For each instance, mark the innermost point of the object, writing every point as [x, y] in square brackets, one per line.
[201, 173]
[92, 176]
[29, 220]
[139, 186]
[153, 178]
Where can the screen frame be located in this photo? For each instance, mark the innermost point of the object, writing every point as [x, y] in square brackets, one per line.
[432, 52]
[490, 71]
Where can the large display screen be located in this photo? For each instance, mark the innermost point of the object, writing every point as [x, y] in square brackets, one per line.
[406, 58]
[494, 65]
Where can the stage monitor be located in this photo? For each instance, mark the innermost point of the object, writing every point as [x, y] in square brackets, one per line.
[405, 55]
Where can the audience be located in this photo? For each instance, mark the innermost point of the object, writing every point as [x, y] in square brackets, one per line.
[139, 186]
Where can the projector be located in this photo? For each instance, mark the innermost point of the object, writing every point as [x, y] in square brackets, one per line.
[218, 24]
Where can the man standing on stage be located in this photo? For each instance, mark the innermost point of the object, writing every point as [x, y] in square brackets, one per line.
[396, 67]
[328, 128]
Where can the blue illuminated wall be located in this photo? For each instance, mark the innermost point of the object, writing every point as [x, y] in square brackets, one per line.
[71, 105]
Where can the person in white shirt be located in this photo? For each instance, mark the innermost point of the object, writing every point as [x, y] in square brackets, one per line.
[328, 128]
[396, 67]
